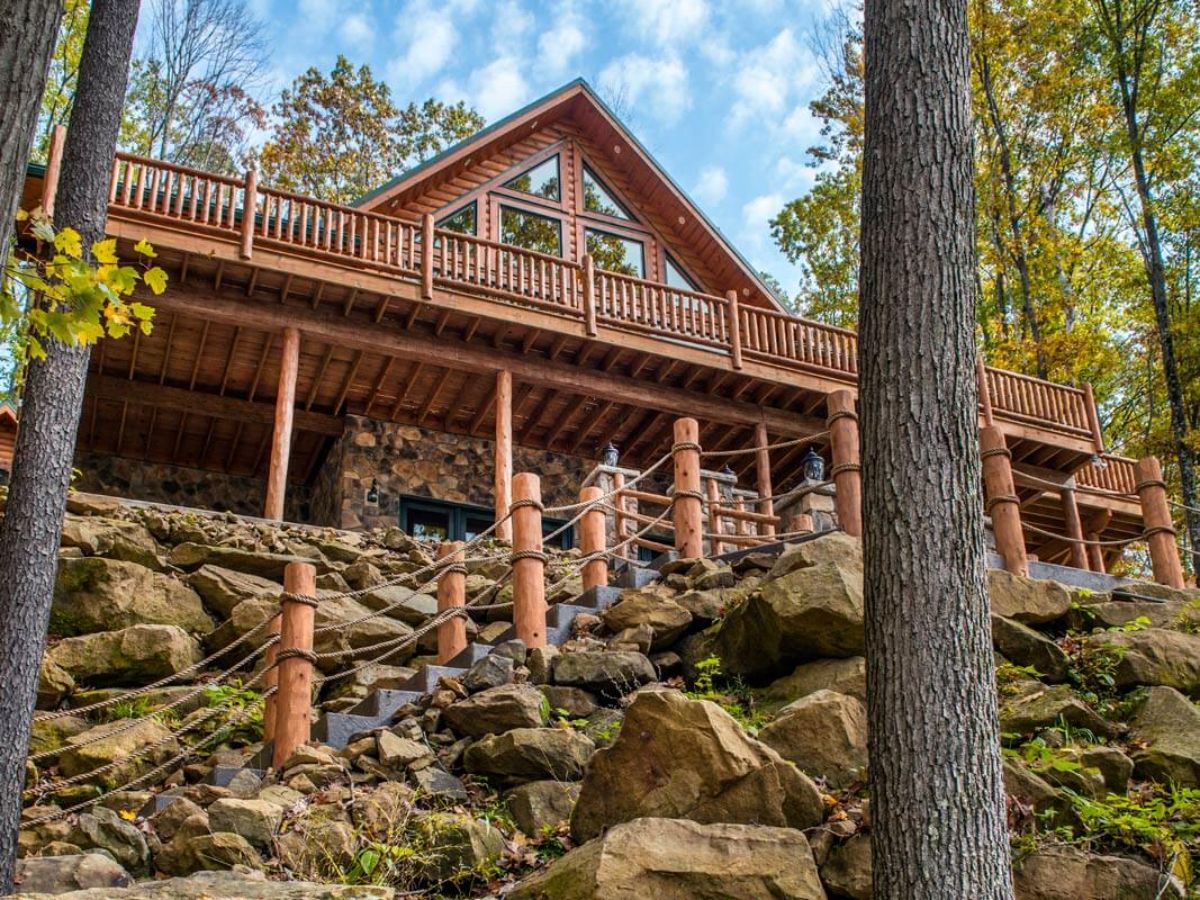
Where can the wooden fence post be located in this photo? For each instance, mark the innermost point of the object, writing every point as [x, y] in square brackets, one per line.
[1002, 503]
[589, 294]
[427, 256]
[1089, 399]
[735, 329]
[451, 593]
[528, 561]
[1070, 510]
[619, 501]
[249, 206]
[503, 456]
[591, 539]
[762, 471]
[293, 718]
[985, 393]
[688, 512]
[1156, 517]
[846, 470]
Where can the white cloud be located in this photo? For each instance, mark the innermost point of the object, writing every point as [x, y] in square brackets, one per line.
[666, 22]
[357, 30]
[495, 90]
[558, 47]
[511, 24]
[712, 186]
[655, 85]
[427, 37]
[757, 213]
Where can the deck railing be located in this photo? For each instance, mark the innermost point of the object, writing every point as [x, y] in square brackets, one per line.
[216, 203]
[1116, 475]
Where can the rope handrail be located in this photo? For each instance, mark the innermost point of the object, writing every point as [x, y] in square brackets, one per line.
[1120, 542]
[793, 442]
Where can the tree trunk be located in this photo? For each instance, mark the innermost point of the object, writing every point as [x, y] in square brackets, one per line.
[937, 796]
[32, 525]
[26, 46]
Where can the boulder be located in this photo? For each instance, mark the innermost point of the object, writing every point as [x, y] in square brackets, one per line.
[497, 710]
[255, 820]
[1153, 656]
[810, 613]
[103, 829]
[1025, 647]
[846, 676]
[1040, 706]
[190, 555]
[836, 547]
[541, 805]
[439, 785]
[682, 758]
[529, 754]
[74, 872]
[54, 683]
[320, 838]
[112, 538]
[47, 735]
[1067, 873]
[401, 603]
[240, 885]
[1100, 611]
[118, 743]
[574, 703]
[381, 813]
[168, 821]
[96, 594]
[223, 589]
[846, 871]
[673, 859]
[1037, 794]
[825, 734]
[399, 753]
[1030, 601]
[710, 574]
[131, 656]
[490, 672]
[608, 673]
[666, 618]
[348, 633]
[1114, 766]
[1168, 729]
[185, 854]
[454, 846]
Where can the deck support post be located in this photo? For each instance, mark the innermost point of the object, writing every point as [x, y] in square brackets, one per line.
[1070, 510]
[281, 438]
[427, 257]
[293, 717]
[847, 470]
[249, 205]
[451, 594]
[735, 329]
[688, 514]
[589, 295]
[762, 472]
[619, 501]
[1095, 527]
[53, 169]
[1156, 517]
[591, 539]
[1002, 503]
[528, 561]
[503, 453]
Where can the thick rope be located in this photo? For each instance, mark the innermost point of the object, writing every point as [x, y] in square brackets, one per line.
[794, 442]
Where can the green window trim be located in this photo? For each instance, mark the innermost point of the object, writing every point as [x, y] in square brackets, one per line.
[427, 519]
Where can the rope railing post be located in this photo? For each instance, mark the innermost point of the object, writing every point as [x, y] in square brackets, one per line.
[985, 393]
[1002, 503]
[1156, 518]
[249, 205]
[451, 594]
[1070, 510]
[688, 501]
[1093, 419]
[715, 547]
[591, 540]
[589, 295]
[293, 717]
[735, 329]
[271, 679]
[762, 472]
[1095, 527]
[846, 471]
[427, 257]
[619, 501]
[528, 561]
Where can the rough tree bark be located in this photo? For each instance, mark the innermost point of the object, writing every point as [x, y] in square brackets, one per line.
[33, 519]
[26, 45]
[937, 798]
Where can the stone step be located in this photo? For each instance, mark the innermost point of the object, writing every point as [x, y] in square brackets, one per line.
[474, 652]
[636, 576]
[427, 677]
[337, 729]
[384, 702]
[598, 598]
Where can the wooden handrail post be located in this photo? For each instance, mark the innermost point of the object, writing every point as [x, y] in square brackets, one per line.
[591, 539]
[1070, 508]
[1089, 399]
[249, 207]
[715, 546]
[735, 329]
[53, 169]
[528, 561]
[271, 680]
[1095, 527]
[985, 392]
[688, 514]
[619, 501]
[762, 471]
[503, 460]
[589, 294]
[800, 522]
[293, 722]
[1002, 502]
[846, 470]
[281, 438]
[451, 593]
[1156, 517]
[427, 256]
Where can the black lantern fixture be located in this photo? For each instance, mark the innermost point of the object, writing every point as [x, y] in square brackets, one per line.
[729, 473]
[373, 492]
[814, 466]
[609, 456]
[1098, 462]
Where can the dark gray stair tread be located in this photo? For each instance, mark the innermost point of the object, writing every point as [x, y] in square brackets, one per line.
[564, 614]
[637, 576]
[383, 702]
[473, 653]
[222, 775]
[427, 677]
[662, 559]
[598, 598]
[337, 729]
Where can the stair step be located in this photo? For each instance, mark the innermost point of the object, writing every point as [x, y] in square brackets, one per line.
[598, 598]
[473, 653]
[637, 577]
[221, 776]
[337, 729]
[384, 702]
[427, 677]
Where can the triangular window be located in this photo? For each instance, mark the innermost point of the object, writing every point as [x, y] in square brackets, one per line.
[463, 221]
[677, 278]
[542, 180]
[599, 199]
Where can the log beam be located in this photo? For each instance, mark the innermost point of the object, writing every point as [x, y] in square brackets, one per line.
[281, 437]
[504, 453]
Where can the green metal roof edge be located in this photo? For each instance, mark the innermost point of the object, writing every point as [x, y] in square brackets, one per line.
[35, 170]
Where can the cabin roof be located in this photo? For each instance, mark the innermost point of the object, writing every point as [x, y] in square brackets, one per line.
[562, 103]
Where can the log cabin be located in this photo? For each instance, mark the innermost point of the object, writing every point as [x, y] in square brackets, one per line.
[535, 298]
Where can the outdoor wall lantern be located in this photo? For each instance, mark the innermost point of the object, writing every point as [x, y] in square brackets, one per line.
[729, 473]
[814, 466]
[610, 455]
[373, 492]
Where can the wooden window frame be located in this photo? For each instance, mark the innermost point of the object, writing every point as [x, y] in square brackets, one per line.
[635, 236]
[499, 202]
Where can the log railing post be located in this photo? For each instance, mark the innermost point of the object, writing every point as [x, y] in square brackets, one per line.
[589, 294]
[1070, 510]
[688, 514]
[1156, 518]
[985, 392]
[451, 594]
[735, 329]
[427, 256]
[528, 561]
[281, 438]
[293, 717]
[1002, 503]
[713, 492]
[1095, 527]
[591, 539]
[846, 470]
[1093, 418]
[53, 169]
[271, 679]
[762, 471]
[249, 206]
[503, 461]
[619, 501]
[800, 523]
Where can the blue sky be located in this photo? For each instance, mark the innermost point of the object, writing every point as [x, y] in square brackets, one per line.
[718, 90]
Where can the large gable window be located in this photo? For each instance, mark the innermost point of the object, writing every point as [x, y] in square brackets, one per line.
[542, 180]
[598, 199]
[531, 231]
[463, 221]
[614, 253]
[677, 278]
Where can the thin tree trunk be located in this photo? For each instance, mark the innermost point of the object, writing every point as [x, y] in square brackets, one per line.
[937, 797]
[26, 47]
[32, 525]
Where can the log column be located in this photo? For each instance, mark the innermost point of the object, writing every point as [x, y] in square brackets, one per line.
[271, 680]
[591, 540]
[1156, 516]
[1070, 510]
[846, 470]
[529, 561]
[293, 723]
[504, 452]
[688, 506]
[1002, 503]
[713, 494]
[762, 471]
[281, 439]
[619, 501]
[1095, 527]
[451, 594]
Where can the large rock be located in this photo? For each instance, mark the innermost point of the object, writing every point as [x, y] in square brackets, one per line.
[837, 547]
[103, 829]
[1023, 646]
[682, 758]
[185, 854]
[497, 710]
[846, 871]
[1101, 611]
[666, 618]
[1167, 728]
[117, 744]
[1039, 706]
[673, 859]
[825, 734]
[255, 820]
[77, 871]
[454, 846]
[223, 589]
[54, 683]
[541, 805]
[225, 886]
[1153, 656]
[810, 613]
[189, 555]
[132, 655]
[610, 673]
[113, 538]
[1066, 873]
[1030, 601]
[846, 676]
[530, 754]
[401, 603]
[96, 594]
